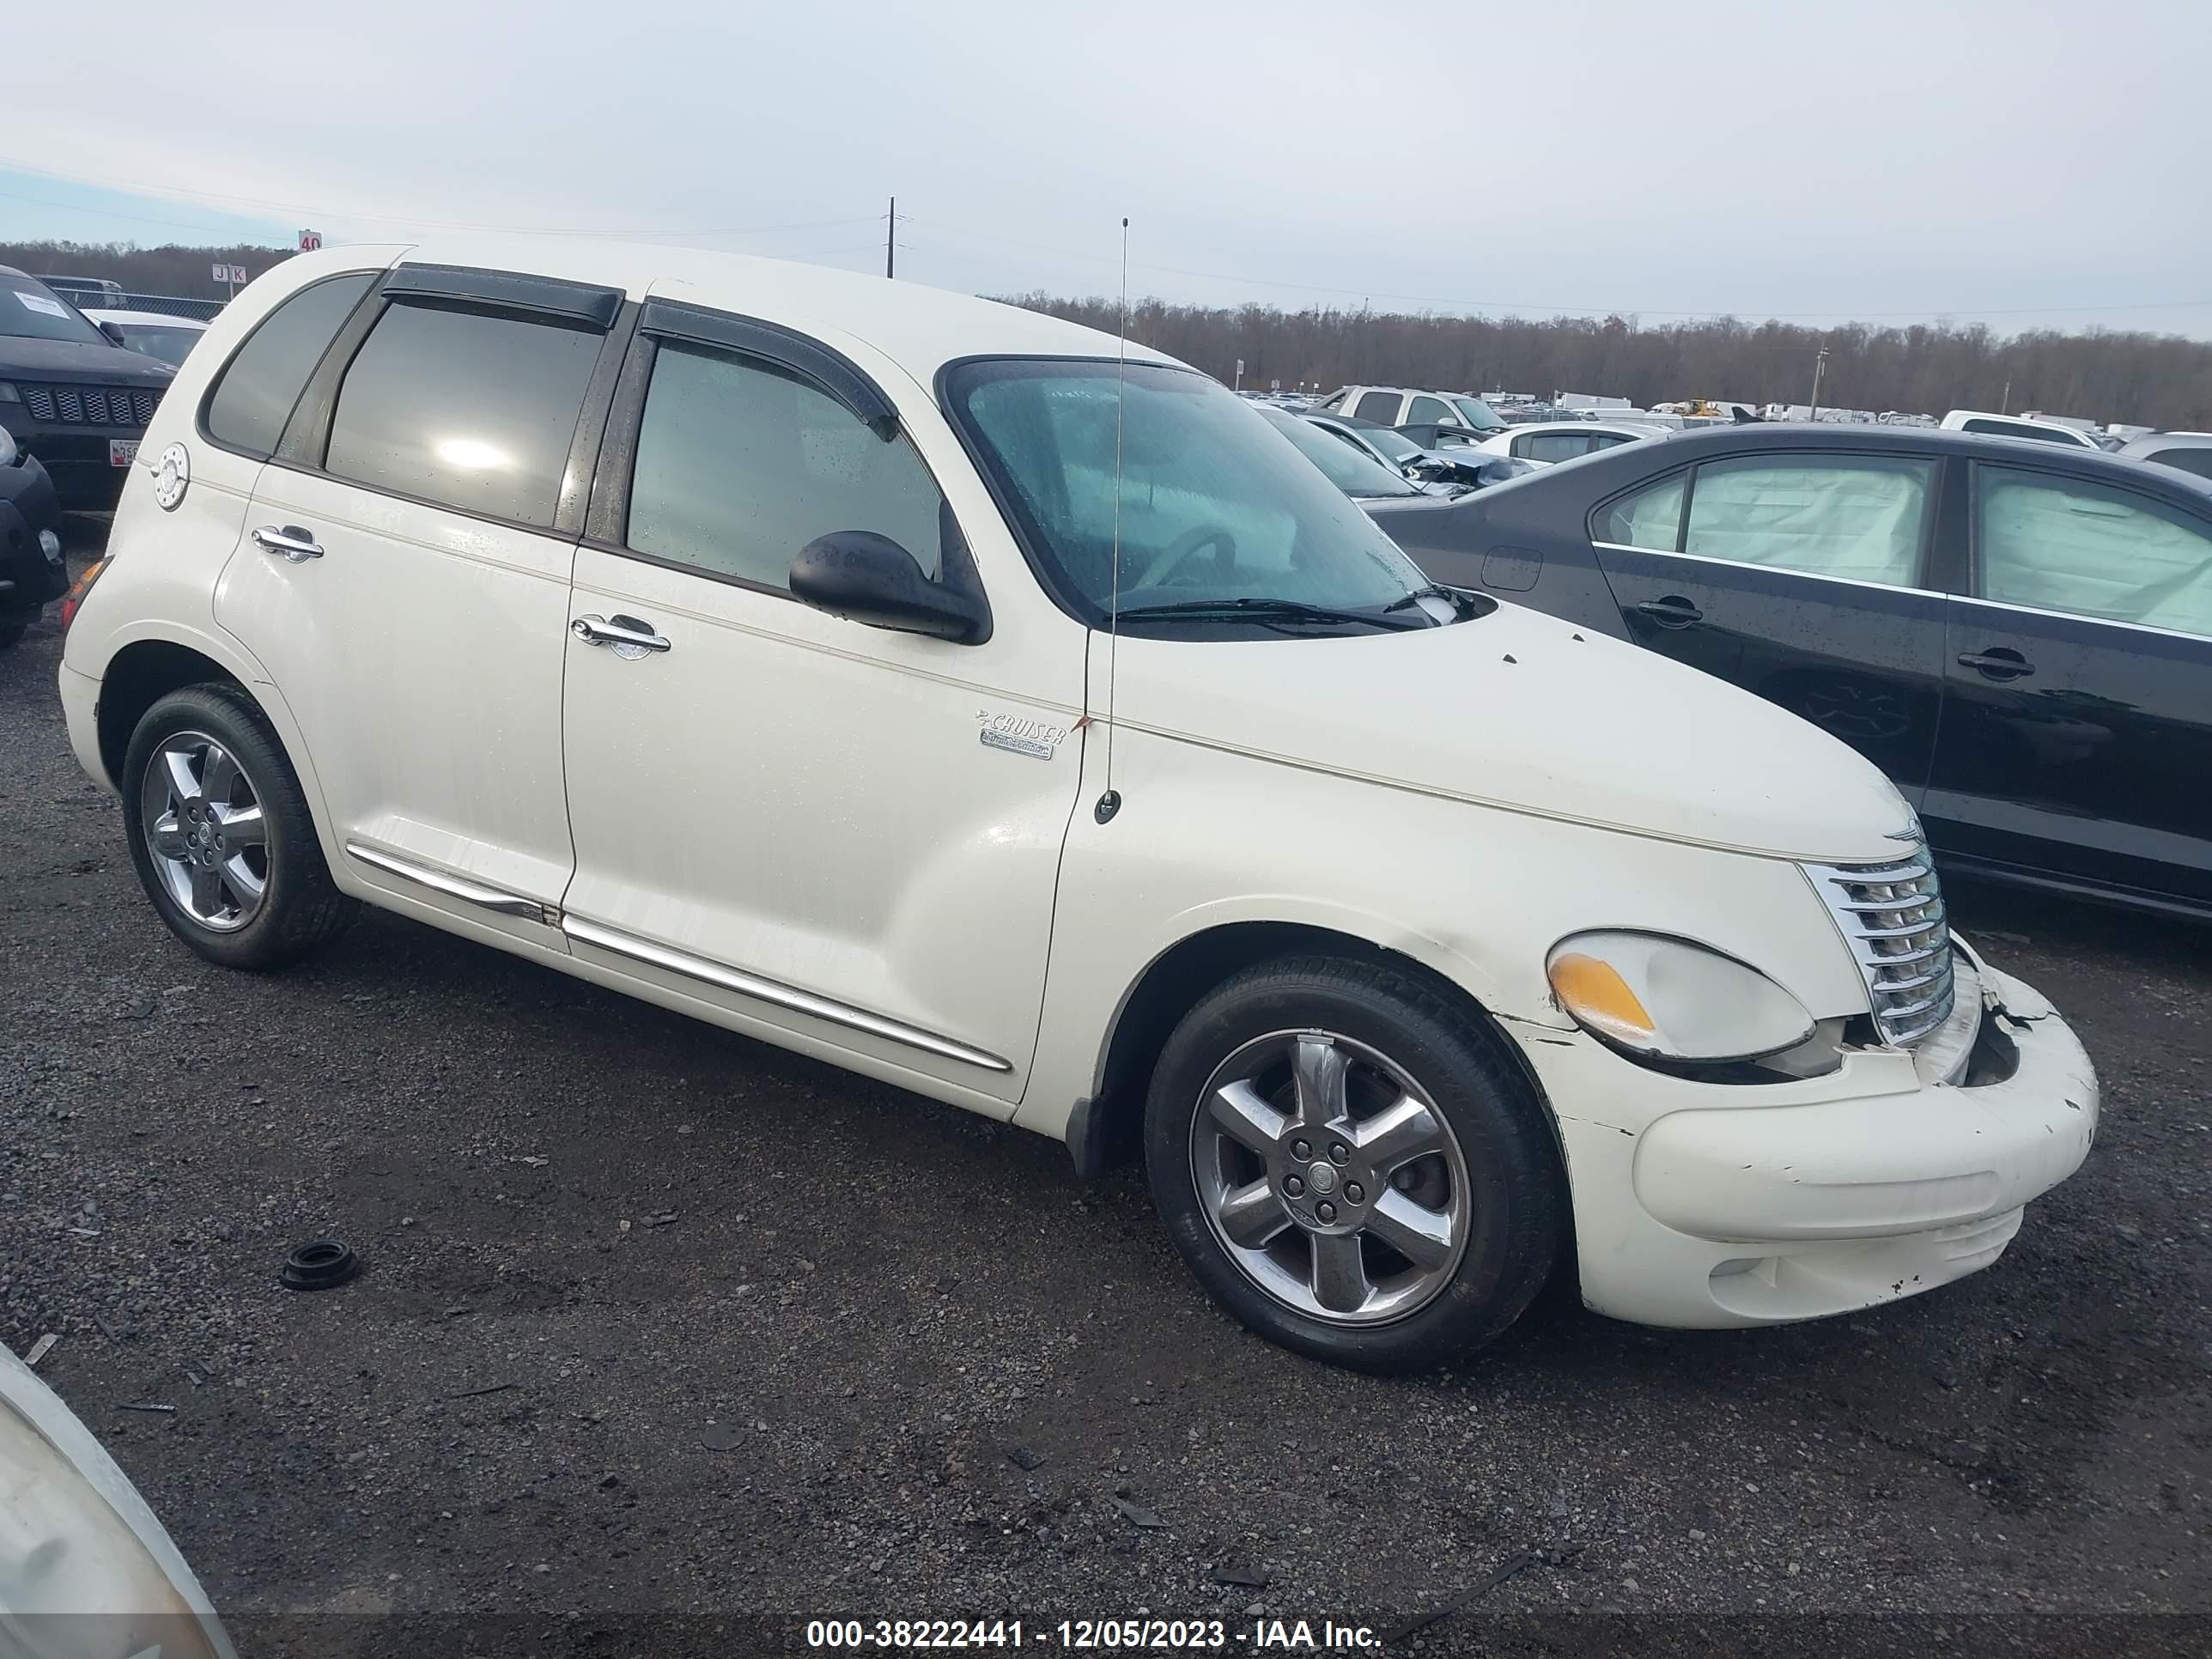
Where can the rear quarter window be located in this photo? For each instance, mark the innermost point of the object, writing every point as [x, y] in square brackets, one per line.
[254, 391]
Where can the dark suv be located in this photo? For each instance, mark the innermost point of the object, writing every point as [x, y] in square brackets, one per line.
[70, 395]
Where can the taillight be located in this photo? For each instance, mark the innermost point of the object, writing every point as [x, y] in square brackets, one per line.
[74, 599]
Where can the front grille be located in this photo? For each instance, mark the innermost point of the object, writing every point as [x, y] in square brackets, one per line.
[1892, 915]
[90, 406]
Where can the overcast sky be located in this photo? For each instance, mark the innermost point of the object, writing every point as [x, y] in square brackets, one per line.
[2030, 164]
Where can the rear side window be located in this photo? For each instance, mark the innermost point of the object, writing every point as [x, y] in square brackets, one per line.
[2019, 430]
[741, 464]
[2199, 460]
[1859, 516]
[1650, 519]
[470, 409]
[254, 393]
[1554, 446]
[1378, 406]
[1430, 411]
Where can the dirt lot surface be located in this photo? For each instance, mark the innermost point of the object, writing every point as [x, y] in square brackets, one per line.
[662, 1329]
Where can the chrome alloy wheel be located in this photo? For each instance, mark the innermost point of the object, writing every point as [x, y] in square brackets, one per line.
[205, 829]
[1330, 1176]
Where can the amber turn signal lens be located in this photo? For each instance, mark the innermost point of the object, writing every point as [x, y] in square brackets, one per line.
[72, 600]
[1595, 994]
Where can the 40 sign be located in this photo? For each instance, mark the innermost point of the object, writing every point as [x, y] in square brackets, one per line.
[310, 240]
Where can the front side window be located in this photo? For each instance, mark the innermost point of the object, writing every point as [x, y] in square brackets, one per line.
[474, 410]
[1863, 517]
[1429, 411]
[740, 463]
[1206, 502]
[253, 395]
[1650, 519]
[2090, 549]
[1380, 406]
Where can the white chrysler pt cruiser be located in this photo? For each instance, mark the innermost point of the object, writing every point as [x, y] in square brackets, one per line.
[931, 687]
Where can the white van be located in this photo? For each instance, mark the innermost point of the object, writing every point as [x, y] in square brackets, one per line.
[932, 687]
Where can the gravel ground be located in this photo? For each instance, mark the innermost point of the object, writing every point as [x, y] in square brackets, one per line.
[663, 1328]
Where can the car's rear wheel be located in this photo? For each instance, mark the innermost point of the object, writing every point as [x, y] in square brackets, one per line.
[1353, 1164]
[220, 835]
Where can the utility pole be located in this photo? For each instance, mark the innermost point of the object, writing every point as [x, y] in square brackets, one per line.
[2004, 403]
[1820, 362]
[891, 238]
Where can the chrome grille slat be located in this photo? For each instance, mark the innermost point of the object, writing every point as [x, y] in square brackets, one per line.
[1892, 917]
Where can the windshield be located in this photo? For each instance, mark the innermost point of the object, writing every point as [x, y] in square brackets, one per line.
[1395, 444]
[1211, 506]
[1356, 475]
[29, 308]
[169, 344]
[1478, 414]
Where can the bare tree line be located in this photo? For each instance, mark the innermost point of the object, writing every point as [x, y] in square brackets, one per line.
[2147, 379]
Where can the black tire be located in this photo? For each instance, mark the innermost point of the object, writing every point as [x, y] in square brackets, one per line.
[1516, 1208]
[302, 908]
[13, 625]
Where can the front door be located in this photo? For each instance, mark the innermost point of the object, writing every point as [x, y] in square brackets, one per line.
[1799, 576]
[403, 583]
[827, 831]
[2077, 735]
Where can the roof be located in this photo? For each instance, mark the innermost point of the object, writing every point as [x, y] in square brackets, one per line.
[141, 319]
[922, 328]
[1909, 439]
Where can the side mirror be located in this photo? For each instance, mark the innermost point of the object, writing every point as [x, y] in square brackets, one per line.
[867, 577]
[114, 333]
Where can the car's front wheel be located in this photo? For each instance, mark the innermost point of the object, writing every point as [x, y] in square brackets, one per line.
[1353, 1164]
[220, 835]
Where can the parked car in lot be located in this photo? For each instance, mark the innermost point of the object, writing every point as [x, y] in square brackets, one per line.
[1363, 475]
[2019, 634]
[1390, 447]
[1431, 416]
[2190, 451]
[2017, 425]
[69, 394]
[156, 333]
[729, 633]
[1544, 442]
[31, 568]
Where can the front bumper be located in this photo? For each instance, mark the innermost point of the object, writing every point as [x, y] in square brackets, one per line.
[30, 516]
[77, 457]
[1707, 1204]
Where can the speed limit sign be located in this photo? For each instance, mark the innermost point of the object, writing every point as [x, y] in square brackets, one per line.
[310, 240]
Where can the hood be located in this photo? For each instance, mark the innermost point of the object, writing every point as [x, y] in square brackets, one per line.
[22, 357]
[1514, 710]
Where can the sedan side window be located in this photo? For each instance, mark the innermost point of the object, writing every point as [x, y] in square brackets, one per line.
[1650, 519]
[1381, 406]
[1557, 446]
[2197, 460]
[1863, 517]
[740, 463]
[2092, 550]
[1430, 411]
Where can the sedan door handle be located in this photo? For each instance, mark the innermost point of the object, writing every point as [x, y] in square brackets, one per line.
[1998, 663]
[288, 541]
[627, 635]
[1671, 611]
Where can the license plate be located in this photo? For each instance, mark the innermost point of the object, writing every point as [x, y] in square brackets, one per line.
[121, 451]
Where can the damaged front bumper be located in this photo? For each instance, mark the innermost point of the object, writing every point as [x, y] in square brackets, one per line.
[1894, 1174]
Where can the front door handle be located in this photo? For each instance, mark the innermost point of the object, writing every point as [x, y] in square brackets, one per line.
[1671, 611]
[288, 541]
[626, 636]
[1999, 662]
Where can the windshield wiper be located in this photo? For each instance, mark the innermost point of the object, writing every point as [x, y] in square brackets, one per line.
[1451, 596]
[1270, 610]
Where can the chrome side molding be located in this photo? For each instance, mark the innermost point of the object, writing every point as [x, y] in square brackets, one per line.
[471, 892]
[777, 994]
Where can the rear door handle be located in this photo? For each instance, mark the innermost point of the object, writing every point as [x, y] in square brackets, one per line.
[288, 541]
[627, 636]
[1671, 611]
[1998, 663]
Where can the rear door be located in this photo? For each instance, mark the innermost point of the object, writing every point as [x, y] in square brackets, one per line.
[2077, 733]
[1800, 576]
[405, 581]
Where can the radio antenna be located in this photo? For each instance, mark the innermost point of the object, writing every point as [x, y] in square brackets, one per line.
[1110, 802]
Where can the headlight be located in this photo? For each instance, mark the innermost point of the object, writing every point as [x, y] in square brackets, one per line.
[1668, 999]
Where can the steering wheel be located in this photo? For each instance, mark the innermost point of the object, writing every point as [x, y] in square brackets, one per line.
[1189, 542]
